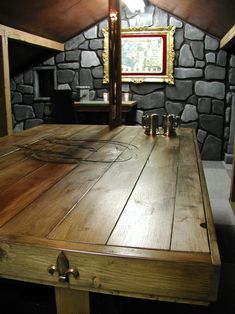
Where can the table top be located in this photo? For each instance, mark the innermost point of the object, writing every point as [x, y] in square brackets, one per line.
[101, 106]
[115, 198]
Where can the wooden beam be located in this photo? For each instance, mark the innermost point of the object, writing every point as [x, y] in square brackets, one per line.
[115, 85]
[5, 93]
[13, 33]
[229, 39]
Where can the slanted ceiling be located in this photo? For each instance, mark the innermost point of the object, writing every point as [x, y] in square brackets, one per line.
[60, 20]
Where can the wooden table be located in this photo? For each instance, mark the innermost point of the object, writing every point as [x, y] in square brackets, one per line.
[84, 208]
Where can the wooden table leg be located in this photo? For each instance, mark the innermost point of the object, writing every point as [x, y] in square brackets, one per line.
[70, 301]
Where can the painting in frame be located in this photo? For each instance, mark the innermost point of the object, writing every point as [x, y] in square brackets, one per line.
[147, 54]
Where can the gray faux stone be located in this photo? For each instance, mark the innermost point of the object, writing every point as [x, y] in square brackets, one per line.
[211, 123]
[218, 107]
[178, 38]
[229, 98]
[183, 73]
[91, 33]
[84, 45]
[89, 59]
[92, 94]
[200, 64]
[175, 22]
[197, 49]
[193, 33]
[98, 83]
[103, 24]
[19, 127]
[211, 43]
[65, 76]
[213, 72]
[60, 57]
[204, 105]
[39, 109]
[174, 107]
[63, 86]
[186, 58]
[210, 57]
[19, 78]
[16, 98]
[180, 91]
[231, 76]
[32, 123]
[96, 44]
[13, 85]
[74, 42]
[69, 65]
[50, 61]
[222, 58]
[74, 83]
[189, 113]
[98, 72]
[212, 148]
[145, 88]
[192, 100]
[227, 115]
[28, 99]
[72, 55]
[86, 78]
[226, 133]
[232, 61]
[201, 135]
[211, 89]
[145, 19]
[25, 89]
[154, 100]
[28, 77]
[160, 17]
[23, 112]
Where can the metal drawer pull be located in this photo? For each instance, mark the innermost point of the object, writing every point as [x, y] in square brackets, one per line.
[62, 267]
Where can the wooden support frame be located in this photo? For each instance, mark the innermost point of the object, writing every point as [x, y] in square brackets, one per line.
[229, 39]
[5, 93]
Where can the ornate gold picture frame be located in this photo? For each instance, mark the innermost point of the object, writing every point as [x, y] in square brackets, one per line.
[147, 54]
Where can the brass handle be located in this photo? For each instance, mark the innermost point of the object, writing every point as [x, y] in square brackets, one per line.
[62, 268]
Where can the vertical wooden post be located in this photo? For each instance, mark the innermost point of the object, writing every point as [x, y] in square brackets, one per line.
[115, 88]
[5, 94]
[70, 301]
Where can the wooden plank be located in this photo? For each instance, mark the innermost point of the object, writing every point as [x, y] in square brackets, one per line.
[71, 301]
[31, 39]
[93, 219]
[187, 233]
[229, 39]
[40, 217]
[5, 94]
[147, 218]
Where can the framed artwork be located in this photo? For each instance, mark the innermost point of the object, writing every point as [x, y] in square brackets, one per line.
[147, 54]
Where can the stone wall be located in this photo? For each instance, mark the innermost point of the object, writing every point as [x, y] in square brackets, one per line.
[201, 95]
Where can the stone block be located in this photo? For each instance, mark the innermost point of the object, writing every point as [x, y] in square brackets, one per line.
[98, 72]
[74, 42]
[28, 99]
[103, 24]
[232, 76]
[212, 124]
[96, 44]
[193, 33]
[32, 123]
[174, 107]
[25, 89]
[91, 33]
[60, 57]
[197, 49]
[180, 91]
[84, 45]
[179, 38]
[150, 101]
[213, 72]
[50, 61]
[212, 148]
[72, 55]
[19, 127]
[17, 98]
[160, 17]
[200, 64]
[183, 73]
[23, 112]
[192, 100]
[28, 77]
[201, 135]
[86, 78]
[39, 109]
[227, 115]
[210, 57]
[186, 58]
[69, 65]
[222, 58]
[65, 76]
[218, 107]
[204, 105]
[211, 43]
[211, 89]
[89, 59]
[232, 61]
[189, 113]
[176, 22]
[145, 88]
